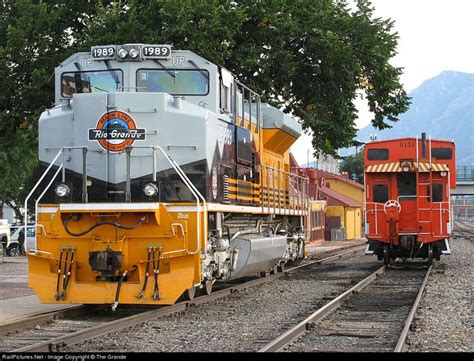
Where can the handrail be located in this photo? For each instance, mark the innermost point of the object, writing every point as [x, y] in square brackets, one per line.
[197, 195]
[36, 186]
[41, 196]
[298, 201]
[183, 175]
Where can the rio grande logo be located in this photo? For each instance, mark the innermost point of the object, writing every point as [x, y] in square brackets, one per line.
[115, 131]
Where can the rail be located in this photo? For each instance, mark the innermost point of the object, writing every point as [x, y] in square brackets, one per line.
[283, 190]
[34, 189]
[298, 330]
[71, 338]
[249, 97]
[200, 200]
[401, 344]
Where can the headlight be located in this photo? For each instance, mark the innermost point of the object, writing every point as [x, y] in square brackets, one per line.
[406, 167]
[443, 174]
[62, 190]
[134, 53]
[122, 53]
[150, 190]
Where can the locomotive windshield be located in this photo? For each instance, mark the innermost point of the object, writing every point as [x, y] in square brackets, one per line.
[90, 82]
[173, 81]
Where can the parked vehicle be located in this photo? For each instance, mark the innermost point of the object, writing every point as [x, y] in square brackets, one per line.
[4, 234]
[13, 247]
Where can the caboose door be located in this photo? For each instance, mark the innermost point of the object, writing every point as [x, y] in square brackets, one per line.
[406, 196]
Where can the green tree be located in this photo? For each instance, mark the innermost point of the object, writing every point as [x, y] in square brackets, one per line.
[354, 166]
[312, 58]
[35, 36]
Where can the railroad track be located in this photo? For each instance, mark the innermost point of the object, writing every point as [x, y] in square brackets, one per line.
[367, 317]
[55, 334]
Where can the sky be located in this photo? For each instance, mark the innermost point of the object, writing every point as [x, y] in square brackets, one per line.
[434, 35]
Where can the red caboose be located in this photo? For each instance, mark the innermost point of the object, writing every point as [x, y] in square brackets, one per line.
[408, 183]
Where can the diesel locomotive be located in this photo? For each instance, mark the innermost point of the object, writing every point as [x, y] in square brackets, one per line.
[407, 197]
[161, 174]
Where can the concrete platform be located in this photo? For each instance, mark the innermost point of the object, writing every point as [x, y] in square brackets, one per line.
[16, 299]
[314, 249]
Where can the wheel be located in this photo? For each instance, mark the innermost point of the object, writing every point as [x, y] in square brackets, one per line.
[281, 267]
[300, 258]
[386, 256]
[207, 289]
[430, 254]
[189, 294]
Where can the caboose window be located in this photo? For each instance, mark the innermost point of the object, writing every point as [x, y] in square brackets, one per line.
[380, 193]
[406, 184]
[377, 154]
[437, 192]
[90, 82]
[173, 81]
[442, 153]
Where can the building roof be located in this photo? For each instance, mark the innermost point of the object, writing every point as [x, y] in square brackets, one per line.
[328, 175]
[339, 197]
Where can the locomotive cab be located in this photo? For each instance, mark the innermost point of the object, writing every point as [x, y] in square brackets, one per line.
[407, 202]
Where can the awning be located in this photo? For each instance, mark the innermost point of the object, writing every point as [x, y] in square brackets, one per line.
[397, 167]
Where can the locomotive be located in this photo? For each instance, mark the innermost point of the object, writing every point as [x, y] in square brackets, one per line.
[407, 197]
[161, 174]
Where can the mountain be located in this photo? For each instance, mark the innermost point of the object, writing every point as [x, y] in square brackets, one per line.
[442, 107]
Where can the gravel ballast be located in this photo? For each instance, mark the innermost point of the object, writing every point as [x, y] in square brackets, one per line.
[244, 321]
[444, 321]
[13, 278]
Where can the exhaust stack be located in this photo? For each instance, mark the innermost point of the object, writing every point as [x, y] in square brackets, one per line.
[423, 145]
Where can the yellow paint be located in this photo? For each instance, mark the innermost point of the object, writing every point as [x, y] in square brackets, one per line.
[346, 189]
[351, 219]
[353, 222]
[176, 232]
[277, 141]
[335, 211]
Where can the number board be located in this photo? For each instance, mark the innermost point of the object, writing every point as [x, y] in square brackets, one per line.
[103, 52]
[157, 51]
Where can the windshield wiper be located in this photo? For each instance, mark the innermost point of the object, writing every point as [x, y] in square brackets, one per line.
[203, 72]
[112, 72]
[171, 73]
[78, 78]
[100, 89]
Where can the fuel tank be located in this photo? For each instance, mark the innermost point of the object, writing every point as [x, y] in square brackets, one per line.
[256, 253]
